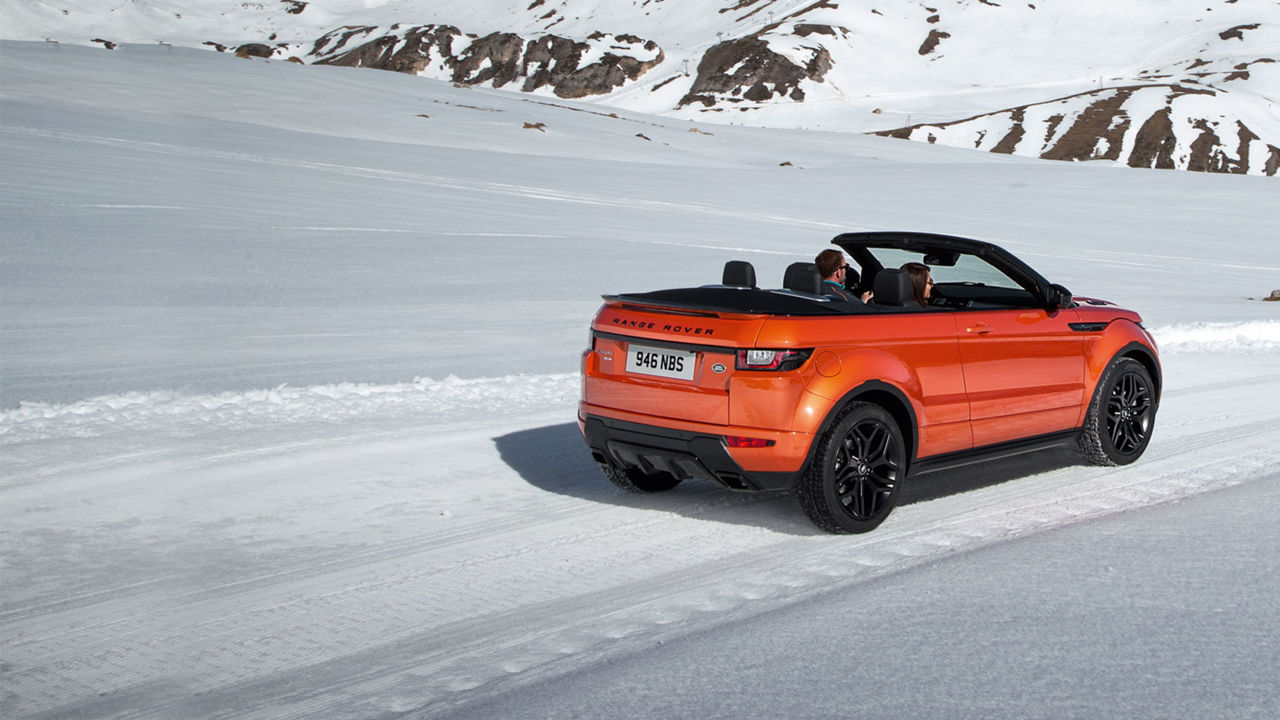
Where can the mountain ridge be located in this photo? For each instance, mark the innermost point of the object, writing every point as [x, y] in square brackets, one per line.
[1175, 85]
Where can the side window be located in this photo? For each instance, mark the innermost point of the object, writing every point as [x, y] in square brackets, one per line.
[970, 269]
[971, 283]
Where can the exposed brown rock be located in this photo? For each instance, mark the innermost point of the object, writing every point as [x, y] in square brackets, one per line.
[1155, 143]
[342, 35]
[253, 50]
[1206, 151]
[1246, 137]
[550, 59]
[931, 42]
[1010, 141]
[757, 72]
[295, 7]
[1237, 32]
[1095, 123]
[498, 58]
[807, 29]
[1272, 166]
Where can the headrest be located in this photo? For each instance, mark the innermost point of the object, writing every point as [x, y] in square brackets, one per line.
[803, 277]
[739, 273]
[892, 287]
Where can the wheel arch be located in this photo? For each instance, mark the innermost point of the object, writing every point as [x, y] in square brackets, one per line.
[1144, 355]
[882, 394]
[1122, 339]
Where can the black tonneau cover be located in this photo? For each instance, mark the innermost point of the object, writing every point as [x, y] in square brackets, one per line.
[742, 300]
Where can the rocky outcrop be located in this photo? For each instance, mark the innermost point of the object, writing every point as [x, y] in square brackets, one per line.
[1101, 125]
[747, 69]
[596, 65]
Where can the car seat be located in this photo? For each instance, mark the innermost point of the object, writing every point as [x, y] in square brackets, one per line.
[892, 288]
[803, 277]
[739, 273]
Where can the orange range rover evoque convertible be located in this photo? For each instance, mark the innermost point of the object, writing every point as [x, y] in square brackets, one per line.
[775, 389]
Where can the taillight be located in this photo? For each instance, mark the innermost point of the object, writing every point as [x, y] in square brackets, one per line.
[771, 359]
[740, 441]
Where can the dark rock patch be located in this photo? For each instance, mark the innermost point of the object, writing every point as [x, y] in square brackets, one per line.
[1237, 32]
[748, 66]
[1010, 141]
[1080, 141]
[498, 59]
[1272, 165]
[931, 42]
[1155, 143]
[254, 50]
[807, 29]
[1206, 151]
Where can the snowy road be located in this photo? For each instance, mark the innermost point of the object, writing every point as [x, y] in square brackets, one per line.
[362, 577]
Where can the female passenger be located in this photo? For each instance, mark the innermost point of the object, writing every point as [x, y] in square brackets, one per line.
[921, 283]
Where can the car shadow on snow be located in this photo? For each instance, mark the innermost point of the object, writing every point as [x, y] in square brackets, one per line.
[555, 459]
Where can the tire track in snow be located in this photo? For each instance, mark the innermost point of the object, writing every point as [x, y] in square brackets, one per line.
[497, 600]
[724, 577]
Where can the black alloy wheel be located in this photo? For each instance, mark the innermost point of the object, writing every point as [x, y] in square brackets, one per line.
[1120, 418]
[1129, 413]
[853, 483]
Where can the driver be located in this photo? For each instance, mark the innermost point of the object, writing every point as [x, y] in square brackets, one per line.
[838, 276]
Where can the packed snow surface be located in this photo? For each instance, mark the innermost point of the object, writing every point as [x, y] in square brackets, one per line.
[288, 395]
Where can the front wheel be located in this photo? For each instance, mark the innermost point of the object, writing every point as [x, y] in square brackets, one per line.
[853, 482]
[1118, 424]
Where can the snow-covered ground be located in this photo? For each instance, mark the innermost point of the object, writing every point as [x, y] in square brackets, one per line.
[287, 398]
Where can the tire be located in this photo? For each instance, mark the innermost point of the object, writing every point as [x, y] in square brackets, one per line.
[638, 481]
[852, 484]
[1117, 427]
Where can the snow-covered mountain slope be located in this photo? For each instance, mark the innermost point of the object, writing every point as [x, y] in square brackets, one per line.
[288, 385]
[1145, 83]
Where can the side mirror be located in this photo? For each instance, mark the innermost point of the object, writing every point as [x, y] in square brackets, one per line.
[1058, 297]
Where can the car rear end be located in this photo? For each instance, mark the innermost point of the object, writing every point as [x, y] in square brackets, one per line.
[687, 392]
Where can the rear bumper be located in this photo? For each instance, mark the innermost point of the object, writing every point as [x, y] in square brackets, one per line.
[685, 453]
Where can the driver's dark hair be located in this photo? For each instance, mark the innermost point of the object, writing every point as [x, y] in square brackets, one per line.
[919, 274]
[828, 262]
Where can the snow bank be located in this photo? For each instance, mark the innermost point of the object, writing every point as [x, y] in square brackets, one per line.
[434, 401]
[1235, 337]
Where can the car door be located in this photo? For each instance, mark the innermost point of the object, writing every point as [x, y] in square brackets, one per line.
[1023, 372]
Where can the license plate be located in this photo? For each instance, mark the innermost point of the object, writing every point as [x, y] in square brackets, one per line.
[661, 362]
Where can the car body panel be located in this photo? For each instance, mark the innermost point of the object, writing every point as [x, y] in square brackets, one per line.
[1022, 368]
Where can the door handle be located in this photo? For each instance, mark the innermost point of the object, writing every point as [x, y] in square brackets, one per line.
[980, 329]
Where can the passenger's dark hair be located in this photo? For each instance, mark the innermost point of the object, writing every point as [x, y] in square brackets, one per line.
[828, 262]
[919, 274]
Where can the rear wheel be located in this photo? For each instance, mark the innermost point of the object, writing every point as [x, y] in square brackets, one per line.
[853, 482]
[1118, 425]
[636, 480]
